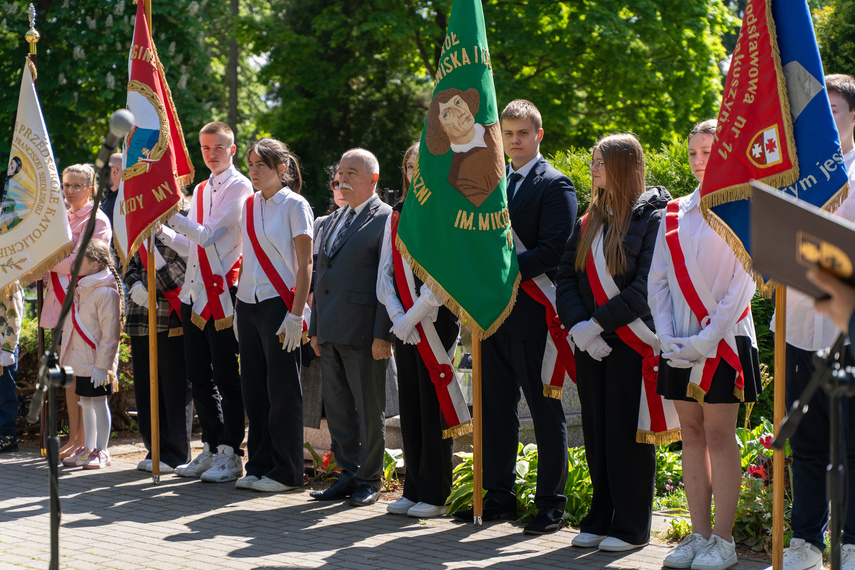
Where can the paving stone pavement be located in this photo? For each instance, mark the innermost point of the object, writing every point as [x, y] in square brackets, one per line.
[117, 518]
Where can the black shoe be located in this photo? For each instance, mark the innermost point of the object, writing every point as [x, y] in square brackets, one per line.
[546, 521]
[490, 512]
[340, 490]
[8, 443]
[364, 495]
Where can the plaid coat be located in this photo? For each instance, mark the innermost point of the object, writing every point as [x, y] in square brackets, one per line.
[168, 278]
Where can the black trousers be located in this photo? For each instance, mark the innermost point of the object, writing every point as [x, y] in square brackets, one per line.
[811, 455]
[426, 453]
[511, 364]
[175, 400]
[622, 471]
[270, 382]
[211, 359]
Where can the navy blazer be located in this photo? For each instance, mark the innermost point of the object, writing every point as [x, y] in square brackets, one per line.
[346, 309]
[542, 211]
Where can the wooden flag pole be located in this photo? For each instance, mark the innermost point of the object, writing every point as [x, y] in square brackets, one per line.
[32, 37]
[779, 475]
[152, 363]
[477, 434]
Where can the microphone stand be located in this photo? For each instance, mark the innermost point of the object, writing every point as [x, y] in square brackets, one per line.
[836, 380]
[52, 376]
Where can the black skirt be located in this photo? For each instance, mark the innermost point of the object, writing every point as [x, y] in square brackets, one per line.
[83, 387]
[673, 382]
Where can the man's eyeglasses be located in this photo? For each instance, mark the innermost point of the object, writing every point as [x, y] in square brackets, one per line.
[597, 164]
[76, 187]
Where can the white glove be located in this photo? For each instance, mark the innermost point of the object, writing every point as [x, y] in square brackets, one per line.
[195, 231]
[598, 348]
[399, 329]
[235, 327]
[414, 316]
[99, 378]
[584, 333]
[683, 349]
[139, 294]
[666, 343]
[292, 326]
[7, 358]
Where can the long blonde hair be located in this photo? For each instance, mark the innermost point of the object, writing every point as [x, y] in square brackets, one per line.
[612, 206]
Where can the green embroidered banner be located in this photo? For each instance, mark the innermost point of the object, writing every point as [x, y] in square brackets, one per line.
[455, 228]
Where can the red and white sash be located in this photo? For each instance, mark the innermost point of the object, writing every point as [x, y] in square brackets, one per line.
[436, 359]
[701, 302]
[558, 359]
[657, 417]
[260, 248]
[60, 284]
[171, 295]
[214, 300]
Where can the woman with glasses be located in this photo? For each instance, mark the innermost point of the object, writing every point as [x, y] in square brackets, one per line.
[700, 297]
[78, 188]
[601, 297]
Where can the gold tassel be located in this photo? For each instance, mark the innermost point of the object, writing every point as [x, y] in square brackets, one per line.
[281, 337]
[111, 376]
[198, 321]
[740, 394]
[696, 393]
[446, 299]
[178, 331]
[658, 438]
[38, 271]
[550, 391]
[458, 430]
[221, 324]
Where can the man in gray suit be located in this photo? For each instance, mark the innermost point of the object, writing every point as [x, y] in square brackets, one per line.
[350, 331]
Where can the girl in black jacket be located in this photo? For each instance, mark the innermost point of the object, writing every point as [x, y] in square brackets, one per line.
[601, 288]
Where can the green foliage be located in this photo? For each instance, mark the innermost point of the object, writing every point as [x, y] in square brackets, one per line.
[678, 528]
[835, 33]
[578, 489]
[324, 465]
[669, 470]
[393, 459]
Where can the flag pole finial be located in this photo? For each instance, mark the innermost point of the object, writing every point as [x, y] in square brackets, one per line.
[32, 35]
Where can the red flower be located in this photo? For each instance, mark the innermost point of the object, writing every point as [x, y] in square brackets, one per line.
[766, 441]
[757, 471]
[556, 329]
[441, 375]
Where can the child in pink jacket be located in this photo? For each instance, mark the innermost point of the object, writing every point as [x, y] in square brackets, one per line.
[91, 336]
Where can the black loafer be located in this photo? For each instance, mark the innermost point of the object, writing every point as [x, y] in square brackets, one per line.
[364, 495]
[337, 492]
[490, 512]
[546, 521]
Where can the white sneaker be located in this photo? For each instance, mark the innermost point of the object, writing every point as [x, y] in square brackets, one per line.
[802, 555]
[427, 511]
[400, 507]
[144, 465]
[847, 557]
[164, 468]
[587, 540]
[268, 485]
[614, 544]
[226, 466]
[685, 552]
[718, 554]
[246, 482]
[199, 465]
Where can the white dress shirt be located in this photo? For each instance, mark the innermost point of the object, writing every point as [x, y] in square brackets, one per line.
[226, 194]
[278, 221]
[386, 282]
[722, 272]
[807, 329]
[334, 233]
[523, 171]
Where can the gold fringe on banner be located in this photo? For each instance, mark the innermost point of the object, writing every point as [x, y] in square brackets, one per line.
[458, 430]
[132, 249]
[38, 271]
[658, 438]
[197, 320]
[696, 393]
[176, 332]
[550, 391]
[446, 299]
[740, 394]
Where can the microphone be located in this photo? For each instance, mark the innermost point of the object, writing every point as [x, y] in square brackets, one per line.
[121, 123]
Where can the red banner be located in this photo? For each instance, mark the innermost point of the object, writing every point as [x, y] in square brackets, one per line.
[755, 129]
[155, 158]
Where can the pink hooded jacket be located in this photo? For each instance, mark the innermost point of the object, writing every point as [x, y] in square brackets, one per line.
[96, 301]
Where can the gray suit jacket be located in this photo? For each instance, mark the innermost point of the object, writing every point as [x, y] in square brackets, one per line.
[346, 309]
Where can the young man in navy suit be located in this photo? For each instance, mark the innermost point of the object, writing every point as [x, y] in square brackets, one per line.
[542, 205]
